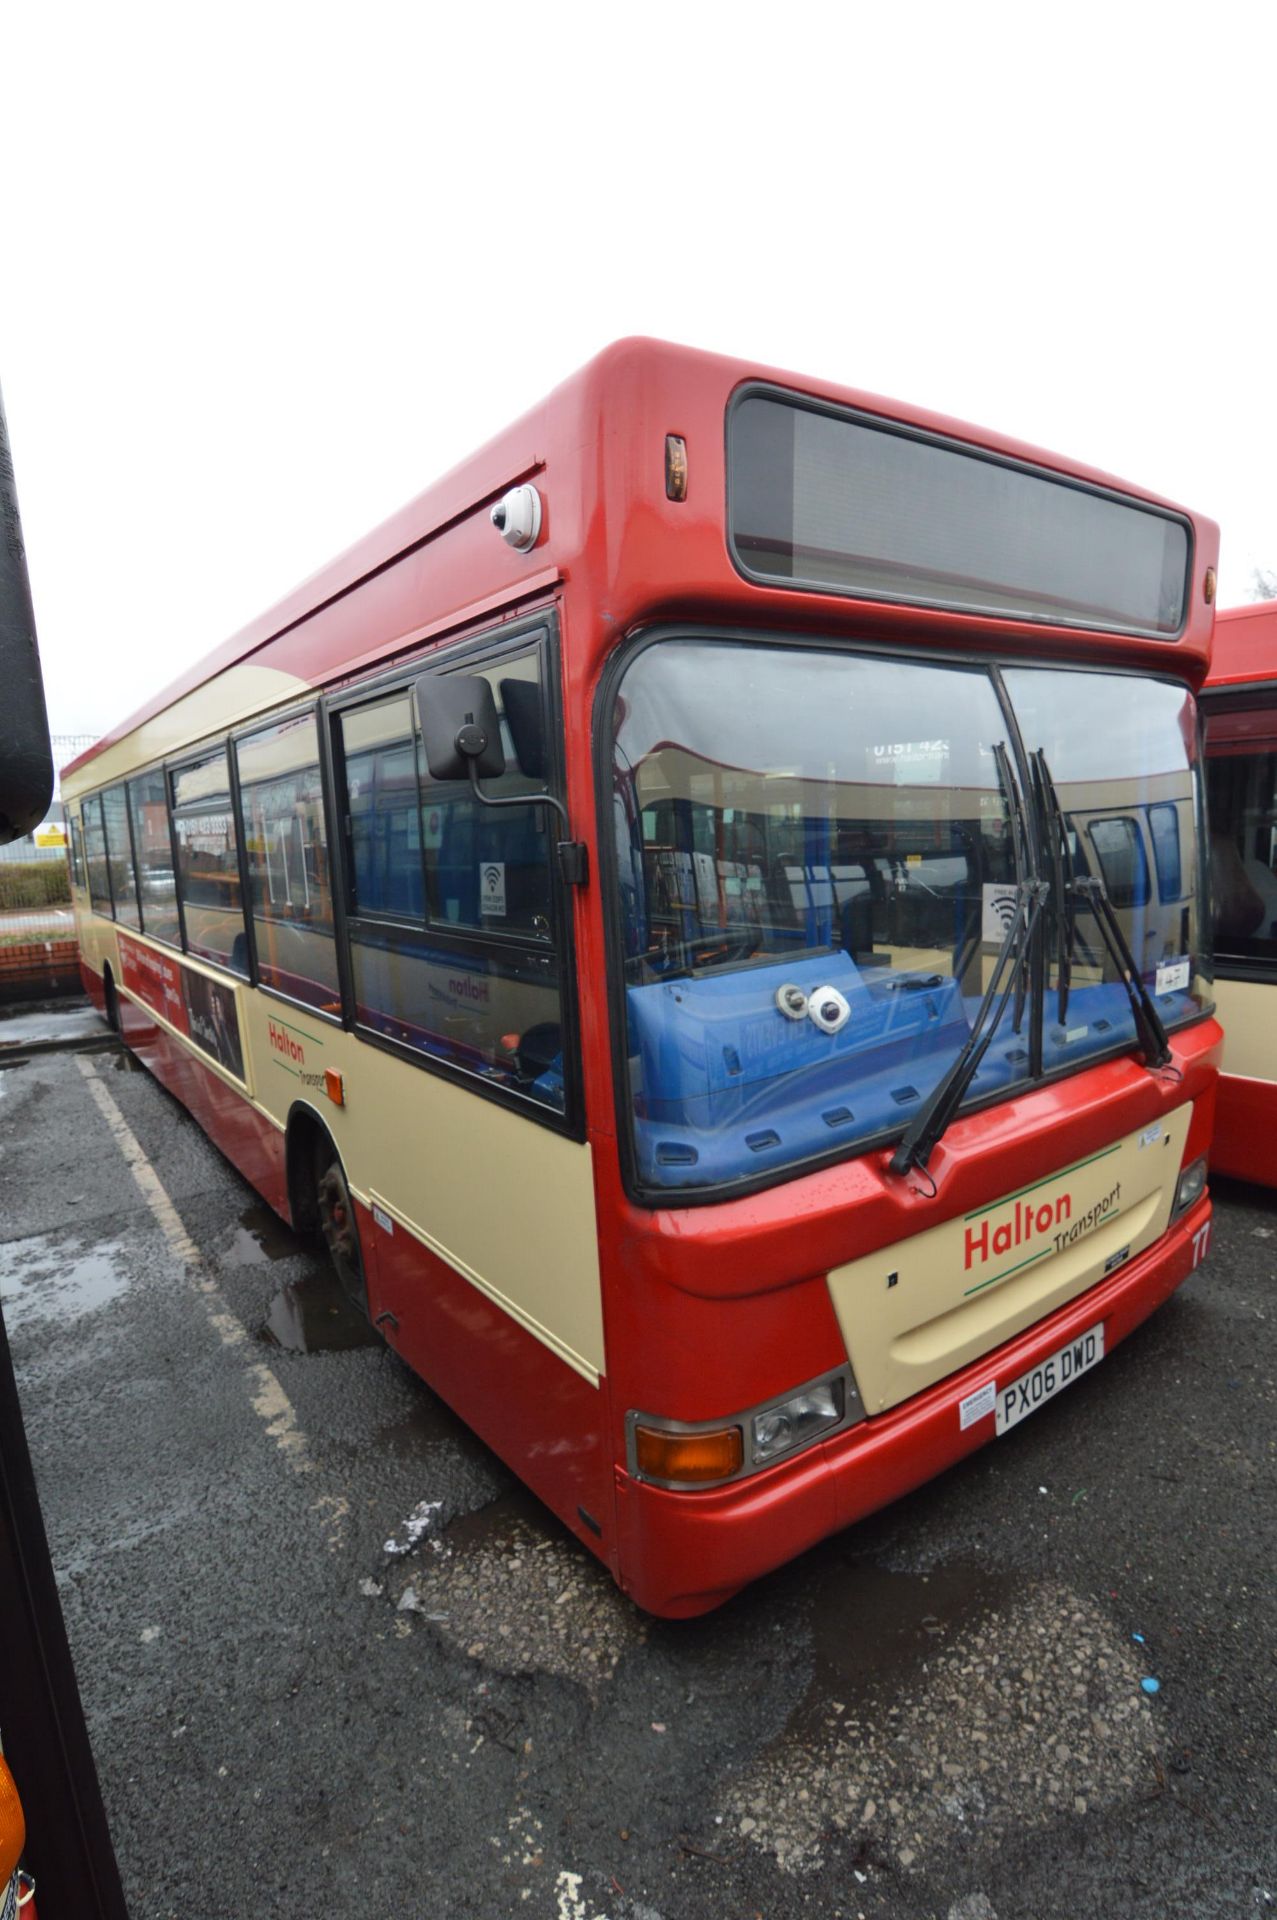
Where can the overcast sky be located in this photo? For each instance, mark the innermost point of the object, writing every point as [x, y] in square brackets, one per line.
[268, 270]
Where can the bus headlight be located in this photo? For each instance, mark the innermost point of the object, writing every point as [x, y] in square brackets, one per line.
[1192, 1185]
[795, 1421]
[682, 1454]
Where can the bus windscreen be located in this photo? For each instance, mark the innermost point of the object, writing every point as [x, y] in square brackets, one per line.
[843, 503]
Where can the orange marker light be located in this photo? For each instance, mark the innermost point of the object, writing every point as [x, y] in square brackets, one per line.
[688, 1458]
[13, 1831]
[1208, 586]
[334, 1086]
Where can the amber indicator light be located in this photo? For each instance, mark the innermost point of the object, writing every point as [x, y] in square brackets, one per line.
[334, 1086]
[675, 467]
[13, 1832]
[688, 1458]
[1208, 586]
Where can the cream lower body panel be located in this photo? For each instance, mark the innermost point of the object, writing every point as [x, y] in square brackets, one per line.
[1247, 1011]
[506, 1201]
[912, 1313]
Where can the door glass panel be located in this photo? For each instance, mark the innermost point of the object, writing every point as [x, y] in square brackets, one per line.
[208, 863]
[282, 818]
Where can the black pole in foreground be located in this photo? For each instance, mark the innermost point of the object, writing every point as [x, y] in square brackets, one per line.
[26, 762]
[46, 1743]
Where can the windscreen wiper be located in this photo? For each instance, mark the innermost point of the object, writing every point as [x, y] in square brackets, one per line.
[1061, 866]
[1092, 893]
[1020, 853]
[932, 1119]
[1148, 1021]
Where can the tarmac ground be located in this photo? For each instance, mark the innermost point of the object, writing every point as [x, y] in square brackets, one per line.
[335, 1661]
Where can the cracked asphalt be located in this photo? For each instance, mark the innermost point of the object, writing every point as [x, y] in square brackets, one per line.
[334, 1660]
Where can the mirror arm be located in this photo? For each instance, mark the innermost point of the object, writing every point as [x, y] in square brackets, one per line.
[574, 859]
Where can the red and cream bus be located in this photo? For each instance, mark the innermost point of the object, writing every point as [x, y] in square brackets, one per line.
[806, 1067]
[1239, 706]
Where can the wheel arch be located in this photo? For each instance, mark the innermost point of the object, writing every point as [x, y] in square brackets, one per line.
[304, 1126]
[111, 999]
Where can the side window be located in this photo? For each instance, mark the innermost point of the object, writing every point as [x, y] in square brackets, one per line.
[383, 806]
[119, 853]
[1241, 783]
[156, 880]
[95, 855]
[75, 841]
[488, 868]
[1163, 822]
[451, 910]
[282, 821]
[208, 863]
[1119, 847]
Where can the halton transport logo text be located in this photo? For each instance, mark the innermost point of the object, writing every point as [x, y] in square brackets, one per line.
[1027, 1223]
[283, 1042]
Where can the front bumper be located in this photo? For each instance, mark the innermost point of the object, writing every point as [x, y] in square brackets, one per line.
[684, 1553]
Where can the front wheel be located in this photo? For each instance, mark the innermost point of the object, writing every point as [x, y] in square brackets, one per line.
[338, 1225]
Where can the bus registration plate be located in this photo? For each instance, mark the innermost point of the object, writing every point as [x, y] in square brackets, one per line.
[1049, 1377]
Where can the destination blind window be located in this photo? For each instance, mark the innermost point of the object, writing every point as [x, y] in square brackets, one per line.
[844, 503]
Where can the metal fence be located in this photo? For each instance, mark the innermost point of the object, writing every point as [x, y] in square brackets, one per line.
[38, 953]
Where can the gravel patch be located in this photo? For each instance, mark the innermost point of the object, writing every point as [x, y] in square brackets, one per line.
[515, 1599]
[1026, 1714]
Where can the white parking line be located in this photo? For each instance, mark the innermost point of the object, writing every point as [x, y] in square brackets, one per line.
[270, 1403]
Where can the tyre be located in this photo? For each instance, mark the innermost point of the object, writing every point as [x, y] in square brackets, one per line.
[337, 1224]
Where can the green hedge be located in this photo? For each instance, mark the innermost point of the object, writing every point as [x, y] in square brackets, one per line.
[34, 883]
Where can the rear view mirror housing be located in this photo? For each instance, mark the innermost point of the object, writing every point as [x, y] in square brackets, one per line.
[461, 734]
[460, 730]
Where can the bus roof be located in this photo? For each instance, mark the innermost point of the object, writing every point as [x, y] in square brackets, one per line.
[1245, 646]
[437, 563]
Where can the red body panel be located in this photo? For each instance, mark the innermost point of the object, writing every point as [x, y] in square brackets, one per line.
[245, 1136]
[596, 450]
[1245, 1143]
[1244, 650]
[537, 1413]
[709, 1309]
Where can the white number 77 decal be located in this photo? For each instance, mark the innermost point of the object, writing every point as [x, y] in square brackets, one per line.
[1201, 1244]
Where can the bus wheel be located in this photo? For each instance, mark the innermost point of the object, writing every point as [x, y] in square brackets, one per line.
[111, 1007]
[337, 1224]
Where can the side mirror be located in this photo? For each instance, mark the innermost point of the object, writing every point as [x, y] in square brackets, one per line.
[460, 730]
[521, 700]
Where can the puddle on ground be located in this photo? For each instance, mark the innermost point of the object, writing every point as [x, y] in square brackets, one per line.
[49, 1026]
[42, 1281]
[314, 1316]
[954, 1702]
[260, 1237]
[872, 1628]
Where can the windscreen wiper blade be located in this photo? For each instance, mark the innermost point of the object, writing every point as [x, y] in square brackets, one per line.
[1061, 864]
[946, 1097]
[1148, 1021]
[1020, 854]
